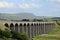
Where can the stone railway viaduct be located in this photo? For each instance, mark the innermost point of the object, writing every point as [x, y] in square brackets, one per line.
[31, 28]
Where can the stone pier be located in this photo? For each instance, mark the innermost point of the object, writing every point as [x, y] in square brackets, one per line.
[31, 28]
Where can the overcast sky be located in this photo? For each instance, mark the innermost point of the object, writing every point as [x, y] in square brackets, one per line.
[38, 7]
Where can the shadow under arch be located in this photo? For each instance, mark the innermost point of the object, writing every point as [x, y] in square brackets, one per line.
[29, 29]
[20, 24]
[37, 24]
[24, 25]
[16, 26]
[28, 24]
[6, 24]
[21, 28]
[32, 30]
[12, 26]
[32, 24]
[35, 28]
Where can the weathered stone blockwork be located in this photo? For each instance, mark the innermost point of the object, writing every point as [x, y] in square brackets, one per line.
[32, 28]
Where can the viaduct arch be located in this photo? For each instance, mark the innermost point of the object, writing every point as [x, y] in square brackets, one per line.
[32, 28]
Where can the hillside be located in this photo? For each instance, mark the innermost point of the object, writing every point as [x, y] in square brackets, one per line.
[19, 16]
[53, 35]
[55, 17]
[2, 26]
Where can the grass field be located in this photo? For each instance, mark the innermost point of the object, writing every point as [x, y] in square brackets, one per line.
[2, 26]
[53, 35]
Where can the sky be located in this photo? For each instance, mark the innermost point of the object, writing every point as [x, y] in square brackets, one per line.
[37, 7]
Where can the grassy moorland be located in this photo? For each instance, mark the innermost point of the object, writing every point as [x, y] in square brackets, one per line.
[53, 35]
[6, 34]
[2, 26]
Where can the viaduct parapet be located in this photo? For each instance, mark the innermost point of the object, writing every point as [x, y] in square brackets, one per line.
[31, 28]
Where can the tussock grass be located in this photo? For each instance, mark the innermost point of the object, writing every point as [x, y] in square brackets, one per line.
[2, 26]
[53, 35]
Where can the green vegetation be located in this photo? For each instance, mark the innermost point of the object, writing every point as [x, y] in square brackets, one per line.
[53, 35]
[8, 35]
[19, 36]
[47, 37]
[25, 20]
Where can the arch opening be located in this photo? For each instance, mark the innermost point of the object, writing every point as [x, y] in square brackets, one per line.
[28, 24]
[32, 24]
[32, 30]
[25, 27]
[24, 24]
[21, 29]
[6, 24]
[20, 24]
[16, 26]
[37, 24]
[28, 28]
[12, 26]
[35, 29]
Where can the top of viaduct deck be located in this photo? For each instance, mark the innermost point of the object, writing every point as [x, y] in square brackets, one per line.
[23, 22]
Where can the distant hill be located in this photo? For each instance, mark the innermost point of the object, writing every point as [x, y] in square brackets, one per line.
[56, 18]
[19, 16]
